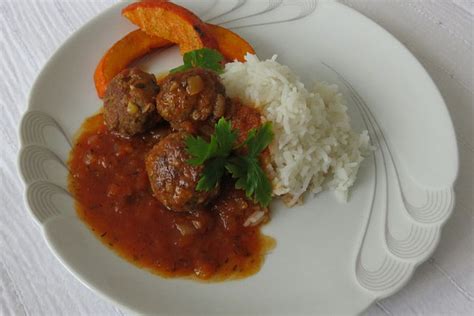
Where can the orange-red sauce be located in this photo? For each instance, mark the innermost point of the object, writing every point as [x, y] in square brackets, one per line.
[113, 196]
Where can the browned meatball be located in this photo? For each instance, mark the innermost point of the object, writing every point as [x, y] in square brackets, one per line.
[129, 102]
[189, 98]
[172, 179]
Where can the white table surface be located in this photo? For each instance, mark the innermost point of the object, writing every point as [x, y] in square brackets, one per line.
[32, 282]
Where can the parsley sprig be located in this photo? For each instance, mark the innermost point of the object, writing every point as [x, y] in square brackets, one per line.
[205, 58]
[219, 155]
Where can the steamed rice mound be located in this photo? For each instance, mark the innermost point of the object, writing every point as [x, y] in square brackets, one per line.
[315, 147]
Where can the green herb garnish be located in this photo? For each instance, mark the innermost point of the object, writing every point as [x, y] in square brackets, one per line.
[205, 58]
[219, 155]
[246, 169]
[214, 154]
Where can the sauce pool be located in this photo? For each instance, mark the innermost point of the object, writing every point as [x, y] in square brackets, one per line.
[113, 197]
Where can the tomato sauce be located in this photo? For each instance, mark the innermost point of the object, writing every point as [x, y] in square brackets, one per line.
[113, 197]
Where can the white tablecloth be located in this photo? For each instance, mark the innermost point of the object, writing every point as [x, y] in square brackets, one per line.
[32, 282]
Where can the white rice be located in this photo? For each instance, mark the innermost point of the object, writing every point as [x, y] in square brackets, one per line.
[255, 218]
[315, 147]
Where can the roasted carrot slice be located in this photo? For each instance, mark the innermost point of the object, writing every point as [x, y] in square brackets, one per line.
[231, 45]
[133, 46]
[171, 22]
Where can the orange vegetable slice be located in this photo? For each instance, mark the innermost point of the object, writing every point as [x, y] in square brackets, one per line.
[232, 46]
[171, 22]
[161, 24]
[133, 46]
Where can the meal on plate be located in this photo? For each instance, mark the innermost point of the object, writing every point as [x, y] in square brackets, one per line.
[177, 172]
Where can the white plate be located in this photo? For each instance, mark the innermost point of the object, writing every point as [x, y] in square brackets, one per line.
[331, 257]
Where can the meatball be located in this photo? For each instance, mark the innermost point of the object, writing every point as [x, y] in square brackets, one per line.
[190, 98]
[172, 179]
[129, 102]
